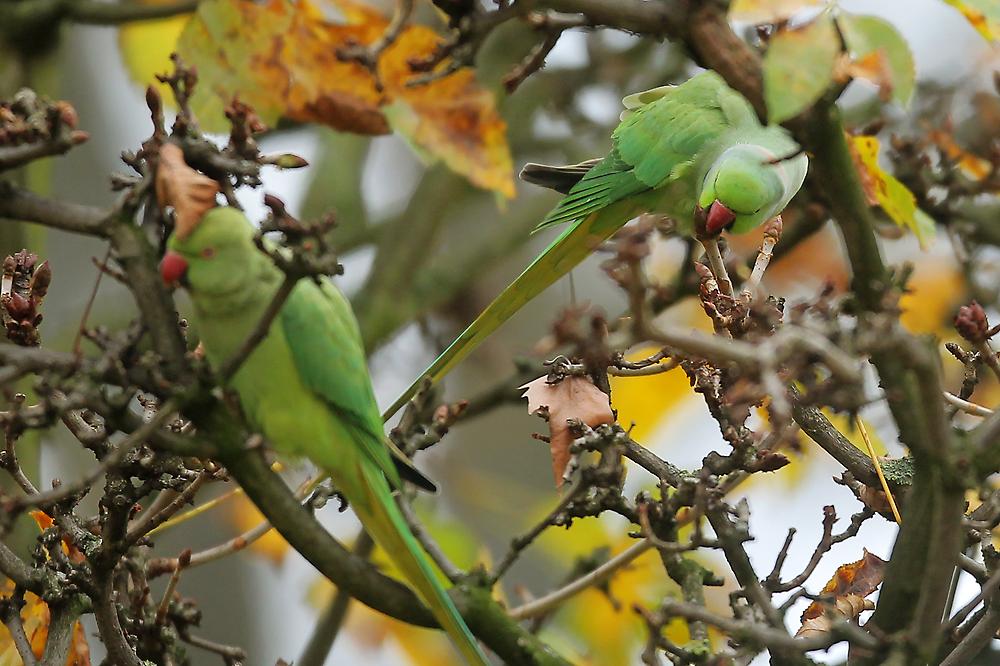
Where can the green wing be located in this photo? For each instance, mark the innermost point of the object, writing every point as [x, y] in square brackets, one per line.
[326, 344]
[655, 147]
[661, 133]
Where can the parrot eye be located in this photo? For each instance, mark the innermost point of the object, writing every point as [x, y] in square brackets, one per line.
[208, 252]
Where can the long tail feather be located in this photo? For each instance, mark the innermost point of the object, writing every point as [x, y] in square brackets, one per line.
[569, 249]
[384, 521]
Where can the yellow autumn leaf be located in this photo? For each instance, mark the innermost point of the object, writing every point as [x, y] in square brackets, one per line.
[984, 15]
[146, 45]
[884, 190]
[934, 292]
[648, 401]
[767, 11]
[285, 60]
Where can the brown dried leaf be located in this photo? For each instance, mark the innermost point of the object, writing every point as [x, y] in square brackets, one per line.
[189, 192]
[874, 67]
[850, 606]
[572, 397]
[849, 586]
[974, 167]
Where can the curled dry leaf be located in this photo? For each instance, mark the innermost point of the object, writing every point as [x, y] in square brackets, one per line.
[189, 192]
[571, 397]
[849, 586]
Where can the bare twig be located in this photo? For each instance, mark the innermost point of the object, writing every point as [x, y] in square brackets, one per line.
[332, 618]
[12, 620]
[447, 567]
[878, 469]
[259, 332]
[966, 406]
[554, 599]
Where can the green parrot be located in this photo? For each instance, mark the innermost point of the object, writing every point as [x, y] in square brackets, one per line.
[306, 386]
[695, 152]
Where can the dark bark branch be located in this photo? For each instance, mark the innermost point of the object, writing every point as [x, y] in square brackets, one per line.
[115, 13]
[61, 623]
[112, 635]
[15, 626]
[332, 618]
[825, 434]
[20, 204]
[487, 619]
[976, 640]
[17, 570]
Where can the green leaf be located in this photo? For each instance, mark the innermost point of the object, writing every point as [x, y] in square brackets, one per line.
[798, 67]
[866, 35]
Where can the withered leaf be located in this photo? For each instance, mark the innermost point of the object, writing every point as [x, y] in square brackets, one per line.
[572, 397]
[849, 586]
[189, 192]
[286, 60]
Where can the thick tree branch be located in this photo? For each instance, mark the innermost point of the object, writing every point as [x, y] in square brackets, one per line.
[20, 204]
[487, 619]
[113, 13]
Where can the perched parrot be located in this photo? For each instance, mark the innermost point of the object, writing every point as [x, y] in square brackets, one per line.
[695, 152]
[306, 386]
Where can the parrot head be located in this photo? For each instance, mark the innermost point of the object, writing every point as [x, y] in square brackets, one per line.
[212, 259]
[741, 190]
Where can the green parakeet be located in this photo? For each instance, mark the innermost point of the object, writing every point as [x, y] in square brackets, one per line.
[695, 152]
[306, 386]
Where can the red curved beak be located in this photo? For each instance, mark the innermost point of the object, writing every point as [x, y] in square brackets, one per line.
[172, 268]
[719, 217]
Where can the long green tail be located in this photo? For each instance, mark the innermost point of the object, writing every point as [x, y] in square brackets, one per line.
[571, 247]
[384, 521]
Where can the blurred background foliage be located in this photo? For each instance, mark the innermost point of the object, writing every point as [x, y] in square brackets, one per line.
[424, 250]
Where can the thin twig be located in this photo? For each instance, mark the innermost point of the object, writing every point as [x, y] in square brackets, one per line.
[166, 412]
[259, 332]
[976, 640]
[518, 544]
[430, 546]
[985, 592]
[78, 339]
[332, 618]
[196, 511]
[543, 605]
[772, 234]
[150, 521]
[168, 593]
[718, 265]
[878, 470]
[989, 356]
[113, 13]
[12, 620]
[966, 406]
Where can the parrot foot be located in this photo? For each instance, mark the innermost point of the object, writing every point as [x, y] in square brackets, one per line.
[772, 234]
[718, 266]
